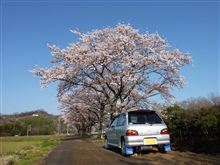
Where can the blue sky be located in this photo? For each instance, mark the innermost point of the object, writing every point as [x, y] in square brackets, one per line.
[27, 26]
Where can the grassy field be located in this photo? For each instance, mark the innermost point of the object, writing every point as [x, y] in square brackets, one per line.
[23, 150]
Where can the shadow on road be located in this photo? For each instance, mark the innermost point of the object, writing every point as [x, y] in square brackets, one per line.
[132, 163]
[143, 152]
[71, 138]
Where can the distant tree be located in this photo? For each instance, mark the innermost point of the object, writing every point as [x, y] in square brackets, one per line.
[201, 102]
[40, 125]
[37, 122]
[215, 99]
[80, 110]
[7, 129]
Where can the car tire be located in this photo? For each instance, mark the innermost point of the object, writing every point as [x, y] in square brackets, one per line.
[161, 149]
[106, 145]
[123, 147]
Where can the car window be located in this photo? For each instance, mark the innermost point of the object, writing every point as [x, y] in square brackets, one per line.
[114, 122]
[121, 120]
[143, 117]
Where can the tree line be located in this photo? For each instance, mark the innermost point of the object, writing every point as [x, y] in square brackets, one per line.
[195, 124]
[27, 124]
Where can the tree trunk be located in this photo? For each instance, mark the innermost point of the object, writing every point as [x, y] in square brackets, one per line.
[101, 121]
[113, 111]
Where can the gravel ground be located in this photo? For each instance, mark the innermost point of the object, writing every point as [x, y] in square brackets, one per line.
[86, 152]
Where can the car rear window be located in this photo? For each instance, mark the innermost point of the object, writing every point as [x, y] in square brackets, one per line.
[143, 117]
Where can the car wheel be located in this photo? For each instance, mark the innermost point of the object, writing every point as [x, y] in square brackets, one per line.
[106, 145]
[123, 147]
[161, 149]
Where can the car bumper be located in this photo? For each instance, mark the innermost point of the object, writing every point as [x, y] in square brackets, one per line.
[134, 141]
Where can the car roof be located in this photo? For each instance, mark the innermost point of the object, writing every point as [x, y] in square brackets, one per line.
[141, 110]
[135, 110]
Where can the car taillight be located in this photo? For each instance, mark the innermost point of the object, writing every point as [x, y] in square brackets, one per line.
[131, 132]
[164, 131]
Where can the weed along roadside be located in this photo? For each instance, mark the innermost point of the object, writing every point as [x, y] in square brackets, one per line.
[26, 150]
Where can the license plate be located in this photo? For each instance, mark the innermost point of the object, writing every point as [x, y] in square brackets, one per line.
[150, 141]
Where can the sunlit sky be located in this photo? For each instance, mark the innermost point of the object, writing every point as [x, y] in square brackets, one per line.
[27, 26]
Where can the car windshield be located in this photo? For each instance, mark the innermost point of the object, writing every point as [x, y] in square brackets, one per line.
[143, 117]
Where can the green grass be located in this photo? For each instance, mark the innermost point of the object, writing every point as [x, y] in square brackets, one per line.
[99, 141]
[29, 150]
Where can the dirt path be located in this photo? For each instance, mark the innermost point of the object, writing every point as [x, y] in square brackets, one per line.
[85, 152]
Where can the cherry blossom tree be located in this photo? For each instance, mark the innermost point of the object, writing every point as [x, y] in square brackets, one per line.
[127, 68]
[90, 106]
[77, 113]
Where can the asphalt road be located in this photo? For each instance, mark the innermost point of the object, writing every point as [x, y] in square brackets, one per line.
[85, 152]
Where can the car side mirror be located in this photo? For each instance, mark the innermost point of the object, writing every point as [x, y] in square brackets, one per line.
[107, 125]
[112, 126]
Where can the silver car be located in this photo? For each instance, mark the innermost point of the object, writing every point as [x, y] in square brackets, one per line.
[137, 129]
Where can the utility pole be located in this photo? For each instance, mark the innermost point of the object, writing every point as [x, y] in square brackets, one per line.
[67, 129]
[28, 130]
